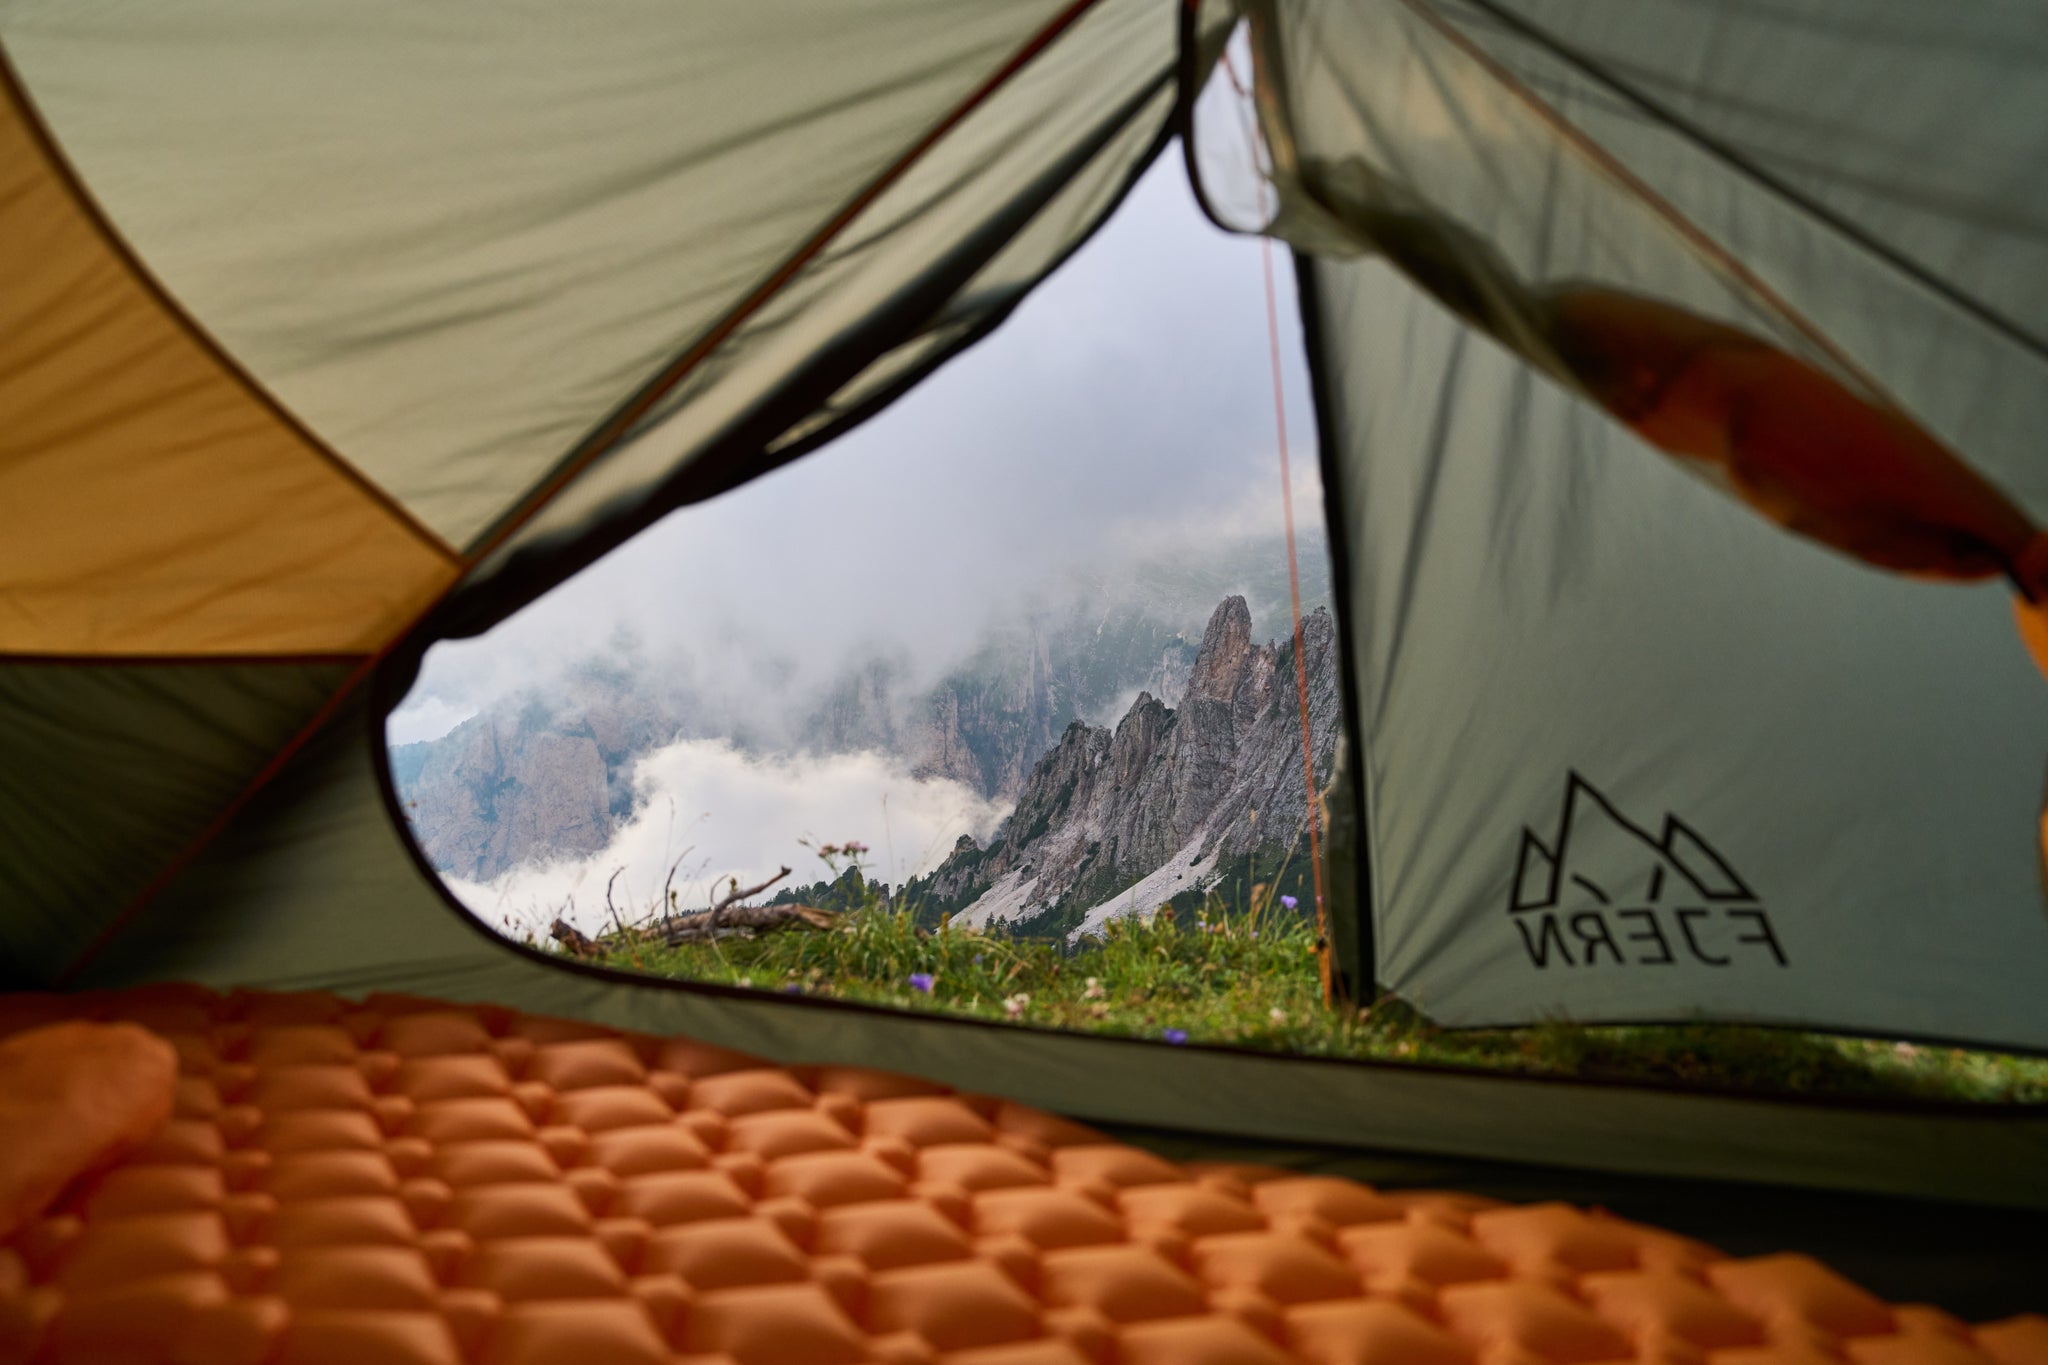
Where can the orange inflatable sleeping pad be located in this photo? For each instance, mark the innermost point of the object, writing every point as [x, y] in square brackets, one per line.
[409, 1181]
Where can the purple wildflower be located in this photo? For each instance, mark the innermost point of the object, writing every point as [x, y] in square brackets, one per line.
[921, 982]
[1289, 901]
[1176, 1036]
[792, 988]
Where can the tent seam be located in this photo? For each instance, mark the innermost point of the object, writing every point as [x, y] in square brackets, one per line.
[116, 660]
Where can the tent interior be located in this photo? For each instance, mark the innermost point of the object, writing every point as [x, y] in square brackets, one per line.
[1677, 373]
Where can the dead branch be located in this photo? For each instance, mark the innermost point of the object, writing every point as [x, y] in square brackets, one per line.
[725, 919]
[744, 921]
[719, 908]
[573, 942]
[617, 924]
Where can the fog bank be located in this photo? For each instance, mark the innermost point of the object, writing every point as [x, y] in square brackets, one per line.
[724, 814]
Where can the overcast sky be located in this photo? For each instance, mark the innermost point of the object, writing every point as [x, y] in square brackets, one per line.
[1125, 407]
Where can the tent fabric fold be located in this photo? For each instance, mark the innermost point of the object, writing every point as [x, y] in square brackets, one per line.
[1608, 298]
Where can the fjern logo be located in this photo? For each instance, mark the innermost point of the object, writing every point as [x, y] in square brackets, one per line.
[1606, 892]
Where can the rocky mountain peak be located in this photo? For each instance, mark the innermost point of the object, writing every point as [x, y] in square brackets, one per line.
[1226, 646]
[1110, 821]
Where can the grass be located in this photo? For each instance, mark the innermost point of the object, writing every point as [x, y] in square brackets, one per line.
[1249, 980]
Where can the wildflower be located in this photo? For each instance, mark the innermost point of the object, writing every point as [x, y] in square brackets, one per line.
[746, 983]
[1277, 1015]
[1176, 1036]
[1015, 1005]
[1289, 901]
[977, 959]
[921, 982]
[792, 988]
[1094, 989]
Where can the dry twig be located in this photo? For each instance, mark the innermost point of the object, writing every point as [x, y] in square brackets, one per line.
[745, 921]
[719, 908]
[573, 942]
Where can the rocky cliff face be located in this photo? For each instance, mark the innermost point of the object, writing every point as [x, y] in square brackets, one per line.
[1112, 821]
[985, 723]
[552, 777]
[541, 780]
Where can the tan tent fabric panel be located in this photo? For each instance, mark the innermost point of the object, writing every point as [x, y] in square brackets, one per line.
[454, 240]
[156, 505]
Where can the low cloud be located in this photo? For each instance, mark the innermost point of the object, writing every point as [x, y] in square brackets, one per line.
[726, 814]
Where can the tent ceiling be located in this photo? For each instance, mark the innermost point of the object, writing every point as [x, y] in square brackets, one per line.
[452, 242]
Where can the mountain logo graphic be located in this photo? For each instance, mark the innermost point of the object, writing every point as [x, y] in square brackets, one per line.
[1606, 890]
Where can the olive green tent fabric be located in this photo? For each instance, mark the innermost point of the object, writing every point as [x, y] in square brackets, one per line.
[1564, 644]
[1628, 750]
[1085, 201]
[109, 770]
[1869, 161]
[1823, 173]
